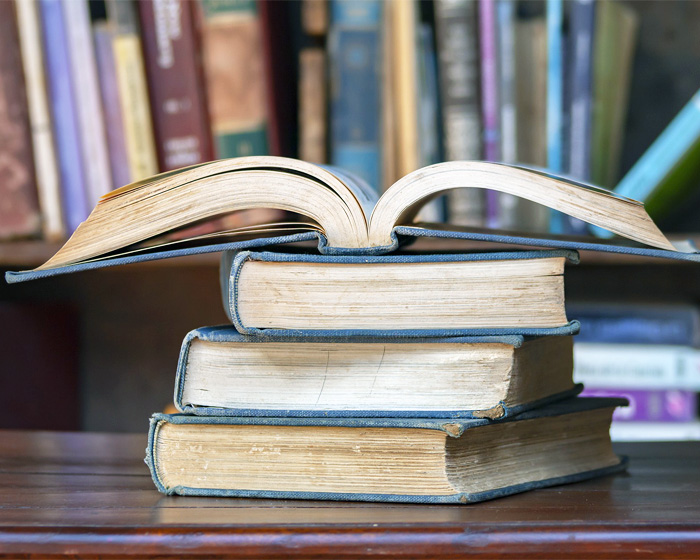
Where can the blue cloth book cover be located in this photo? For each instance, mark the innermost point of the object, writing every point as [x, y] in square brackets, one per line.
[224, 373]
[382, 459]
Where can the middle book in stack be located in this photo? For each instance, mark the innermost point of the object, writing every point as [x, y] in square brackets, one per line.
[421, 378]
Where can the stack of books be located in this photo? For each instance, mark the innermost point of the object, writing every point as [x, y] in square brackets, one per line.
[371, 371]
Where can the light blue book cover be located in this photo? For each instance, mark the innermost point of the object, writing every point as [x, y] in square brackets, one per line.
[351, 307]
[65, 117]
[360, 376]
[355, 55]
[275, 467]
[555, 98]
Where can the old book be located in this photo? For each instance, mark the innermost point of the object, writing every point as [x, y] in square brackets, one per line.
[234, 71]
[224, 373]
[133, 89]
[19, 206]
[382, 459]
[345, 215]
[88, 103]
[66, 129]
[45, 158]
[103, 34]
[175, 84]
[458, 70]
[444, 295]
[313, 117]
[355, 69]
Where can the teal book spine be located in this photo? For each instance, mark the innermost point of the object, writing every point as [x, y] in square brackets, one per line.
[453, 430]
[355, 54]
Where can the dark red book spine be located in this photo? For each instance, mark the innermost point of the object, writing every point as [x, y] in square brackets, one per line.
[19, 203]
[175, 82]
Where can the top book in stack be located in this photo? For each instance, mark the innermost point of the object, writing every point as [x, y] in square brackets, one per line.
[345, 215]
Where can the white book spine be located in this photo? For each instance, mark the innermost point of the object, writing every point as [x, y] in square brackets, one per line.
[45, 162]
[655, 431]
[93, 138]
[636, 366]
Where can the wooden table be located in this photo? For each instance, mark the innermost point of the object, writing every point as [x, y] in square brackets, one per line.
[90, 495]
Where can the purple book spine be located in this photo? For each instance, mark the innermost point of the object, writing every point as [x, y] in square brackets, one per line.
[109, 90]
[651, 405]
[74, 197]
[490, 105]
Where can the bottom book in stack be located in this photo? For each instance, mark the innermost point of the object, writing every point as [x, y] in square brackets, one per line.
[420, 420]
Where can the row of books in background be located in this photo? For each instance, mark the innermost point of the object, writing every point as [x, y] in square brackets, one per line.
[543, 84]
[648, 353]
[103, 93]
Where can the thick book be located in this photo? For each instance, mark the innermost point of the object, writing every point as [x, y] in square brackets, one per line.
[224, 373]
[637, 366]
[175, 84]
[19, 205]
[519, 292]
[382, 459]
[344, 214]
[637, 322]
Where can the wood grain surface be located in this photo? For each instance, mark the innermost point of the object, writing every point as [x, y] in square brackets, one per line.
[86, 495]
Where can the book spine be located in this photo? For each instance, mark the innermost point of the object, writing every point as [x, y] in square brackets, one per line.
[355, 98]
[490, 97]
[667, 150]
[109, 89]
[176, 91]
[234, 72]
[133, 90]
[46, 164]
[93, 141]
[19, 206]
[66, 131]
[580, 87]
[615, 38]
[642, 327]
[651, 405]
[458, 71]
[508, 204]
[636, 366]
[312, 105]
[555, 104]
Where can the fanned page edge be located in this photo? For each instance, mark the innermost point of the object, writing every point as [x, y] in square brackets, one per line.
[620, 215]
[96, 236]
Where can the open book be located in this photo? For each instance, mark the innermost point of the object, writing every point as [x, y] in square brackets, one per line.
[343, 213]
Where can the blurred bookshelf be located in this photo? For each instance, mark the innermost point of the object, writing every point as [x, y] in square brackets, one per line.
[294, 93]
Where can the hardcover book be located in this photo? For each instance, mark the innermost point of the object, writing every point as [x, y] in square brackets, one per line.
[382, 459]
[413, 295]
[345, 217]
[637, 366]
[19, 206]
[65, 119]
[234, 73]
[224, 373]
[45, 160]
[175, 84]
